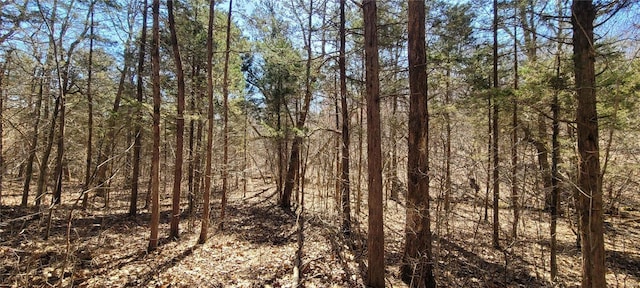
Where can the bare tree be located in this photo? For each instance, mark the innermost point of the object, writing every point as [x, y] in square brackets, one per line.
[496, 158]
[2, 76]
[225, 113]
[346, 205]
[34, 141]
[87, 172]
[207, 172]
[137, 145]
[155, 158]
[177, 180]
[514, 135]
[375, 237]
[555, 155]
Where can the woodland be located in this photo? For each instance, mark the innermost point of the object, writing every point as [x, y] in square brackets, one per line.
[319, 143]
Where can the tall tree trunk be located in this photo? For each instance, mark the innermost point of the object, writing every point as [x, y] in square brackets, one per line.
[225, 117]
[417, 266]
[62, 76]
[177, 175]
[360, 157]
[244, 147]
[52, 55]
[589, 178]
[155, 156]
[193, 144]
[393, 135]
[346, 201]
[57, 192]
[88, 162]
[109, 143]
[555, 156]
[207, 172]
[42, 173]
[496, 158]
[197, 174]
[555, 189]
[137, 146]
[63, 79]
[298, 267]
[375, 237]
[514, 137]
[34, 144]
[337, 147]
[543, 159]
[280, 146]
[292, 171]
[447, 145]
[489, 156]
[2, 75]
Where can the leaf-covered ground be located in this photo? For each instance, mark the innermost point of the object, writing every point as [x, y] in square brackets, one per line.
[257, 248]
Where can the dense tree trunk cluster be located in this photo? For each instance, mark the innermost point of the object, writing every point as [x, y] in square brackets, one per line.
[293, 88]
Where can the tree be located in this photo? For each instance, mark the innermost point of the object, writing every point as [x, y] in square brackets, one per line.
[589, 192]
[276, 74]
[107, 153]
[417, 266]
[375, 236]
[3, 71]
[155, 157]
[555, 153]
[63, 76]
[346, 205]
[527, 17]
[494, 135]
[454, 39]
[177, 181]
[207, 172]
[137, 146]
[514, 134]
[88, 161]
[294, 158]
[51, 58]
[225, 117]
[34, 141]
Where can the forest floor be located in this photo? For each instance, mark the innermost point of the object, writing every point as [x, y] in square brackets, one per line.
[257, 248]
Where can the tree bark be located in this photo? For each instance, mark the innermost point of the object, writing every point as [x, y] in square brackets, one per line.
[42, 173]
[2, 75]
[417, 266]
[447, 145]
[496, 158]
[207, 172]
[360, 156]
[88, 162]
[225, 111]
[34, 144]
[137, 146]
[177, 175]
[555, 157]
[346, 200]
[375, 237]
[489, 157]
[589, 179]
[155, 158]
[514, 138]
